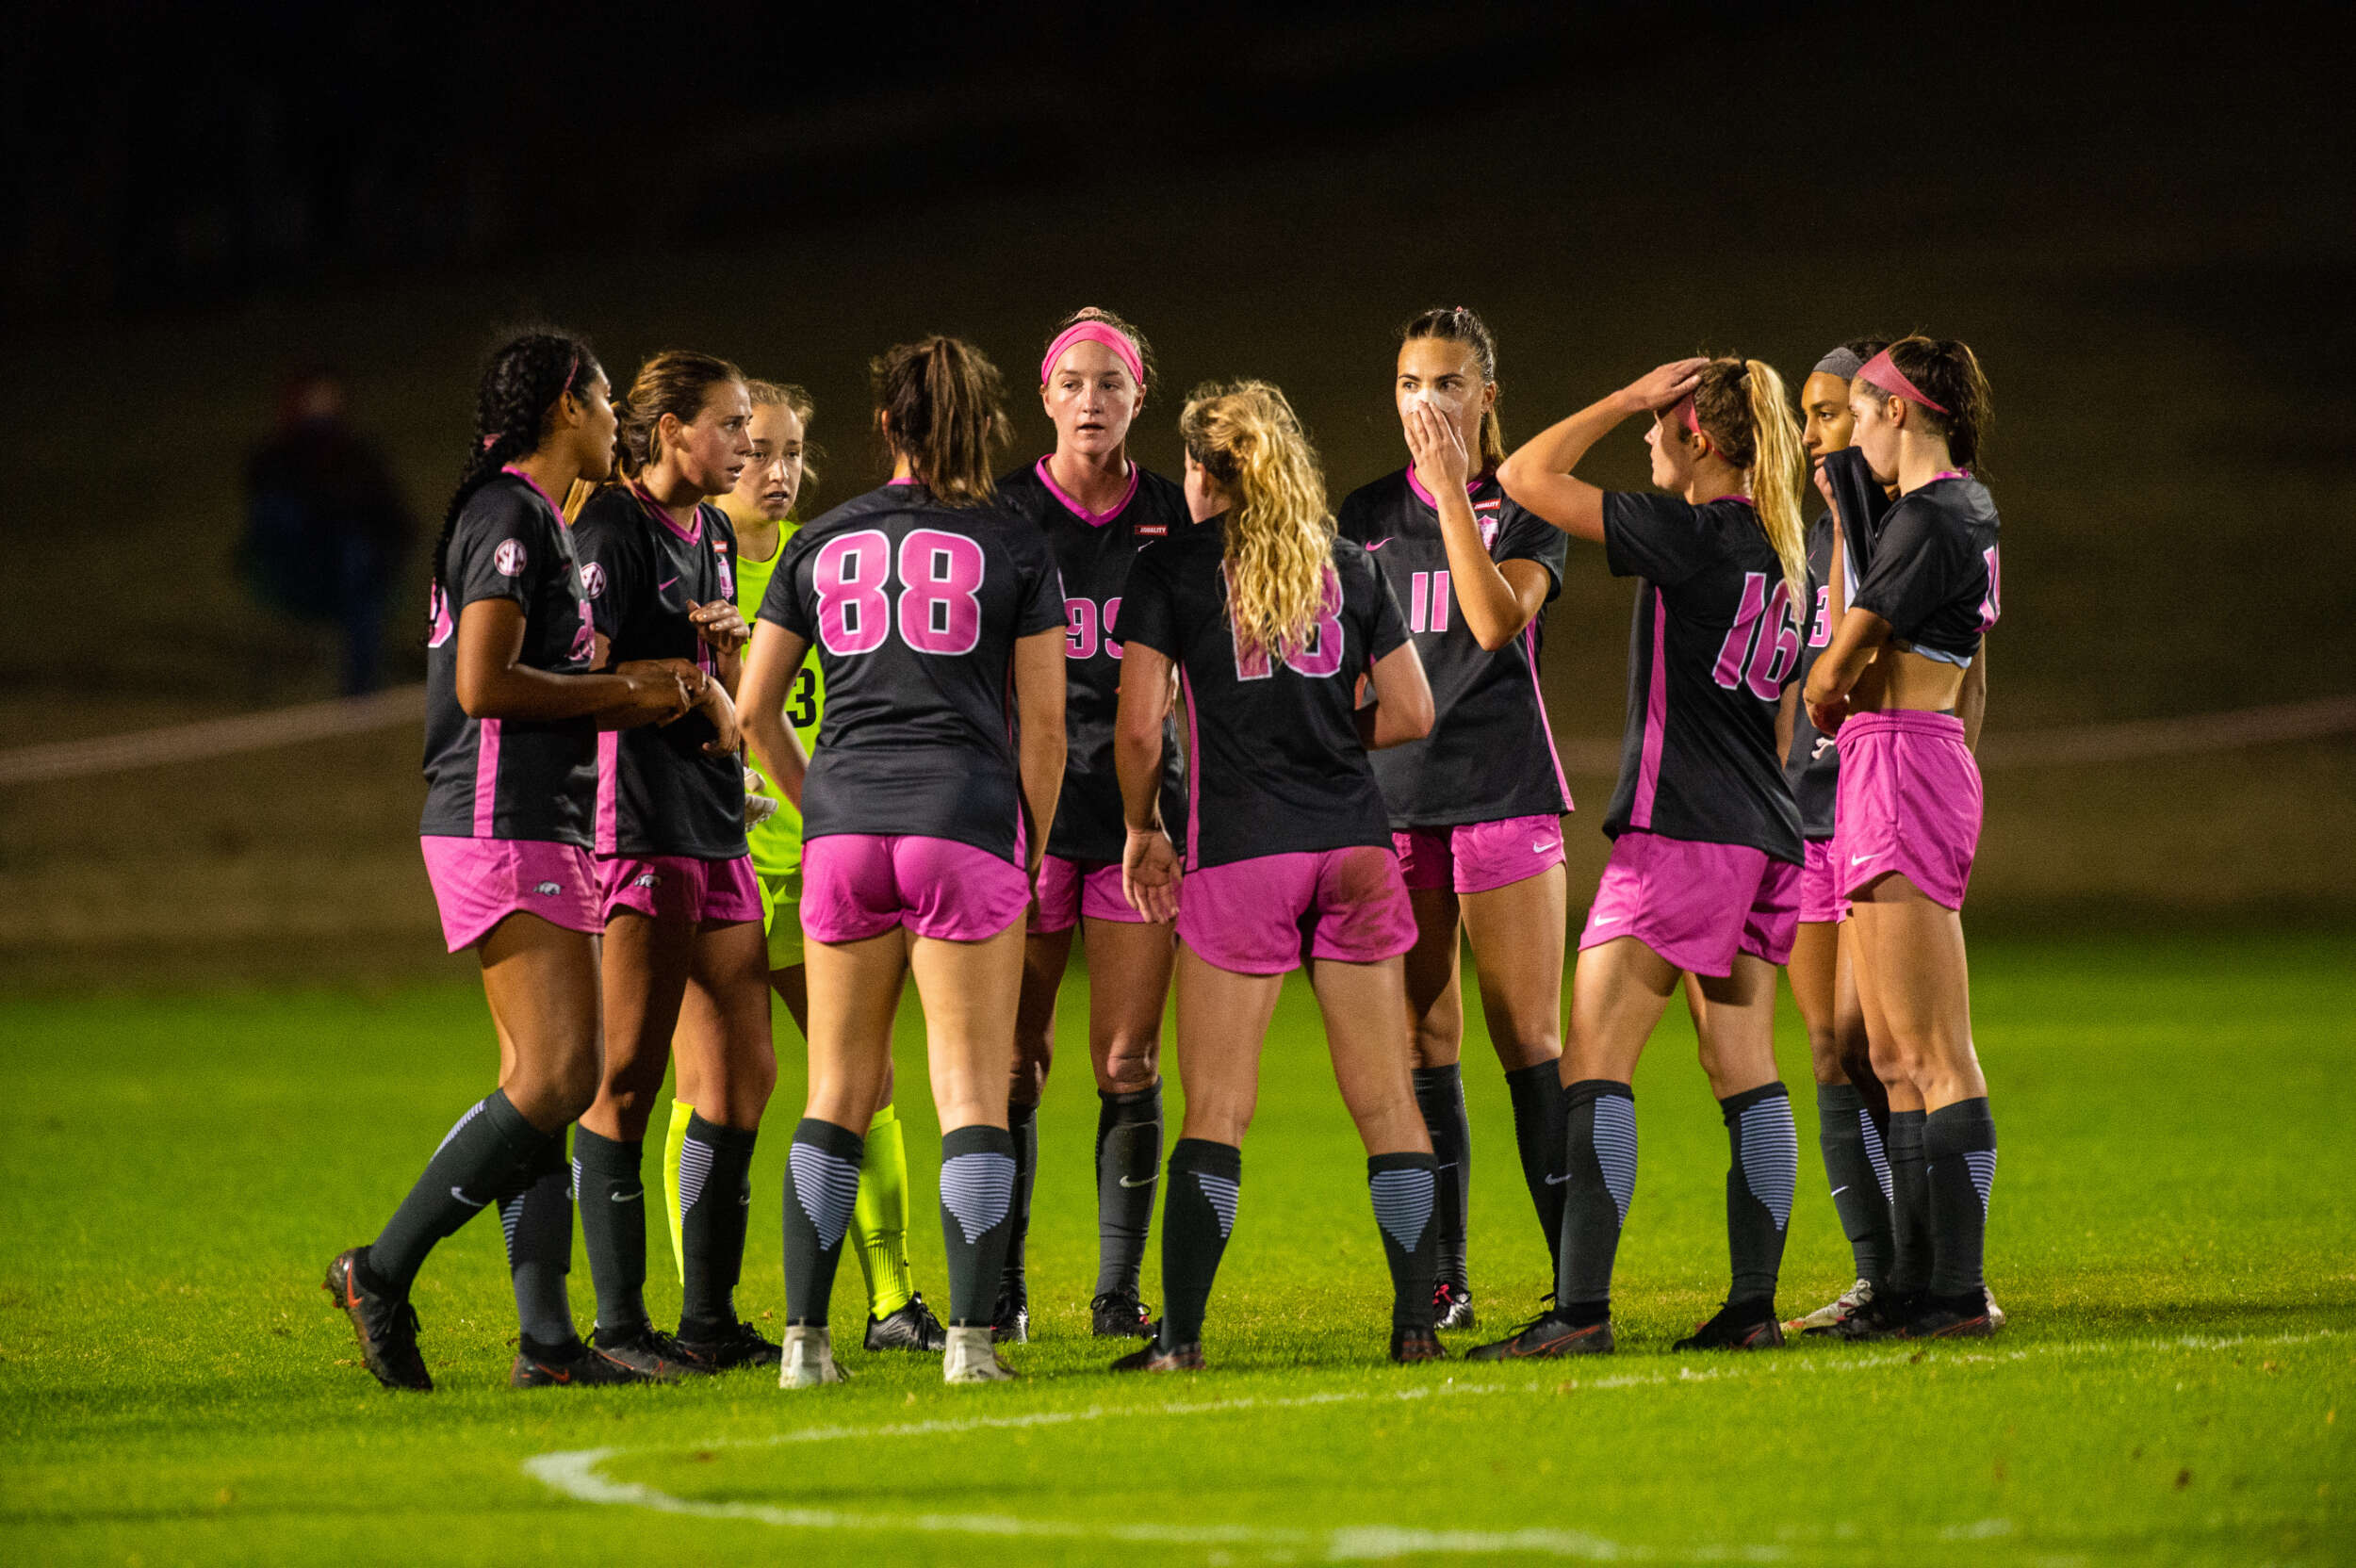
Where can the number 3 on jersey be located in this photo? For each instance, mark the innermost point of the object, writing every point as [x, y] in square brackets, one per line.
[940, 576]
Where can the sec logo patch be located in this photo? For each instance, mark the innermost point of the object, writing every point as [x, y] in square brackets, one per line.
[591, 579]
[509, 556]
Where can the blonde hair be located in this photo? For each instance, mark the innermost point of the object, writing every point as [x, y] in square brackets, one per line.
[795, 400]
[1278, 535]
[1741, 406]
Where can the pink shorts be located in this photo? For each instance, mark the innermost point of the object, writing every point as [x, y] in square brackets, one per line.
[1821, 902]
[1070, 889]
[480, 882]
[680, 887]
[1265, 915]
[1909, 802]
[1696, 904]
[861, 884]
[1475, 856]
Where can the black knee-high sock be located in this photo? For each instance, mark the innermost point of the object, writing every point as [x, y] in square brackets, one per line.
[715, 1192]
[1440, 1095]
[1760, 1179]
[1960, 1170]
[821, 1190]
[1406, 1189]
[978, 1183]
[1198, 1213]
[1023, 1127]
[538, 1223]
[1909, 1206]
[1537, 1092]
[1599, 1183]
[1128, 1168]
[611, 1193]
[1842, 1128]
[480, 1160]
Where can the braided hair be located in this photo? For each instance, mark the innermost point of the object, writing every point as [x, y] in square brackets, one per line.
[521, 382]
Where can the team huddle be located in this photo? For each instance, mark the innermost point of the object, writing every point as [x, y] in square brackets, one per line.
[686, 752]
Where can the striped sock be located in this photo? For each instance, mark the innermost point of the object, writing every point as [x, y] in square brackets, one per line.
[486, 1155]
[1909, 1206]
[1598, 1184]
[1852, 1149]
[538, 1225]
[1760, 1181]
[611, 1190]
[1198, 1213]
[977, 1201]
[1959, 1170]
[1406, 1189]
[716, 1178]
[879, 1223]
[820, 1189]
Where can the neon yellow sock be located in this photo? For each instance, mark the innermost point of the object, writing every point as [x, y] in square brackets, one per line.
[879, 1223]
[673, 1141]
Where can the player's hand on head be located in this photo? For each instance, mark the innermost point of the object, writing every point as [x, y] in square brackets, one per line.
[1148, 874]
[1666, 385]
[1440, 462]
[720, 623]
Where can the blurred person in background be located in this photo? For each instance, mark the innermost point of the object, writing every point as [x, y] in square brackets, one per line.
[327, 529]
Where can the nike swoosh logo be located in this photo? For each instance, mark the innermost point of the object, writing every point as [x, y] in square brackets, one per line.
[1377, 544]
[666, 582]
[626, 1197]
[744, 1200]
[1841, 1188]
[468, 1202]
[1556, 1181]
[1147, 1182]
[1604, 920]
[1860, 860]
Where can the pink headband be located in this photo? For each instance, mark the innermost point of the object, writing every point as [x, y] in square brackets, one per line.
[1093, 332]
[1686, 415]
[1883, 373]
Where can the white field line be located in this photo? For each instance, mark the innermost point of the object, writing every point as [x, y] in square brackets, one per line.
[577, 1472]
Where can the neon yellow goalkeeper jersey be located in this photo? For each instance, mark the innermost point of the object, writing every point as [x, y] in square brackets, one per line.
[777, 842]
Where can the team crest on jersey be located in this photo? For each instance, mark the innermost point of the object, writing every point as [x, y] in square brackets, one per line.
[727, 579]
[1488, 531]
[509, 556]
[592, 579]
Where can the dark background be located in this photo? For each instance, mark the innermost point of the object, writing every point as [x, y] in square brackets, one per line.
[2143, 229]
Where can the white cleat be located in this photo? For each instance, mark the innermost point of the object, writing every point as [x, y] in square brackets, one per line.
[809, 1360]
[1829, 1316]
[1995, 1313]
[973, 1358]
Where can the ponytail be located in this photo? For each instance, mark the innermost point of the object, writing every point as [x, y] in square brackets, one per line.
[1741, 406]
[521, 383]
[945, 408]
[1462, 324]
[1948, 372]
[676, 381]
[1279, 535]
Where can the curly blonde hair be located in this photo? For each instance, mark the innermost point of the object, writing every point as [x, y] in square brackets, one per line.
[1279, 533]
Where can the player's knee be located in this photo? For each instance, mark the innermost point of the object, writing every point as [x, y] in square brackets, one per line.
[1823, 1055]
[1131, 1064]
[1028, 1081]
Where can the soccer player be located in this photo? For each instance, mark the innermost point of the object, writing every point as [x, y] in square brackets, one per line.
[1908, 824]
[924, 819]
[681, 902]
[511, 720]
[1098, 507]
[1270, 621]
[1475, 805]
[761, 508]
[1705, 866]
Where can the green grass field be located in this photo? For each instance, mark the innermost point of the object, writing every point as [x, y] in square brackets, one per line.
[2172, 1235]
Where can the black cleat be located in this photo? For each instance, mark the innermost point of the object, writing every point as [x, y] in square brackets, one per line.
[1011, 1321]
[649, 1352]
[1880, 1318]
[387, 1327]
[1416, 1344]
[1950, 1317]
[736, 1344]
[1548, 1337]
[1119, 1315]
[1451, 1305]
[913, 1327]
[573, 1365]
[1737, 1326]
[1152, 1358]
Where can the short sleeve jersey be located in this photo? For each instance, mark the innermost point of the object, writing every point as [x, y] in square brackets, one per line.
[659, 792]
[1490, 754]
[1934, 575]
[510, 778]
[1275, 766]
[1713, 647]
[913, 607]
[1093, 551]
[777, 844]
[1813, 765]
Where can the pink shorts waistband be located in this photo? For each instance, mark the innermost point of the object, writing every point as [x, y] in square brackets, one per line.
[1901, 721]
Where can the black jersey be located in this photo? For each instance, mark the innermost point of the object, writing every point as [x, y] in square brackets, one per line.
[1934, 575]
[1491, 753]
[1274, 763]
[1813, 765]
[1093, 551]
[1712, 649]
[913, 608]
[659, 792]
[1862, 503]
[510, 778]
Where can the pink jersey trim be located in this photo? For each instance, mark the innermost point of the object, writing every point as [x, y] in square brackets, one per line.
[654, 510]
[486, 776]
[1655, 718]
[911, 478]
[1426, 496]
[1093, 520]
[1554, 754]
[1194, 775]
[609, 773]
[511, 468]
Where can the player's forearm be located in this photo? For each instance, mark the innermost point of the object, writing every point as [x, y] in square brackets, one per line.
[1972, 702]
[520, 692]
[1840, 666]
[1041, 763]
[1493, 612]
